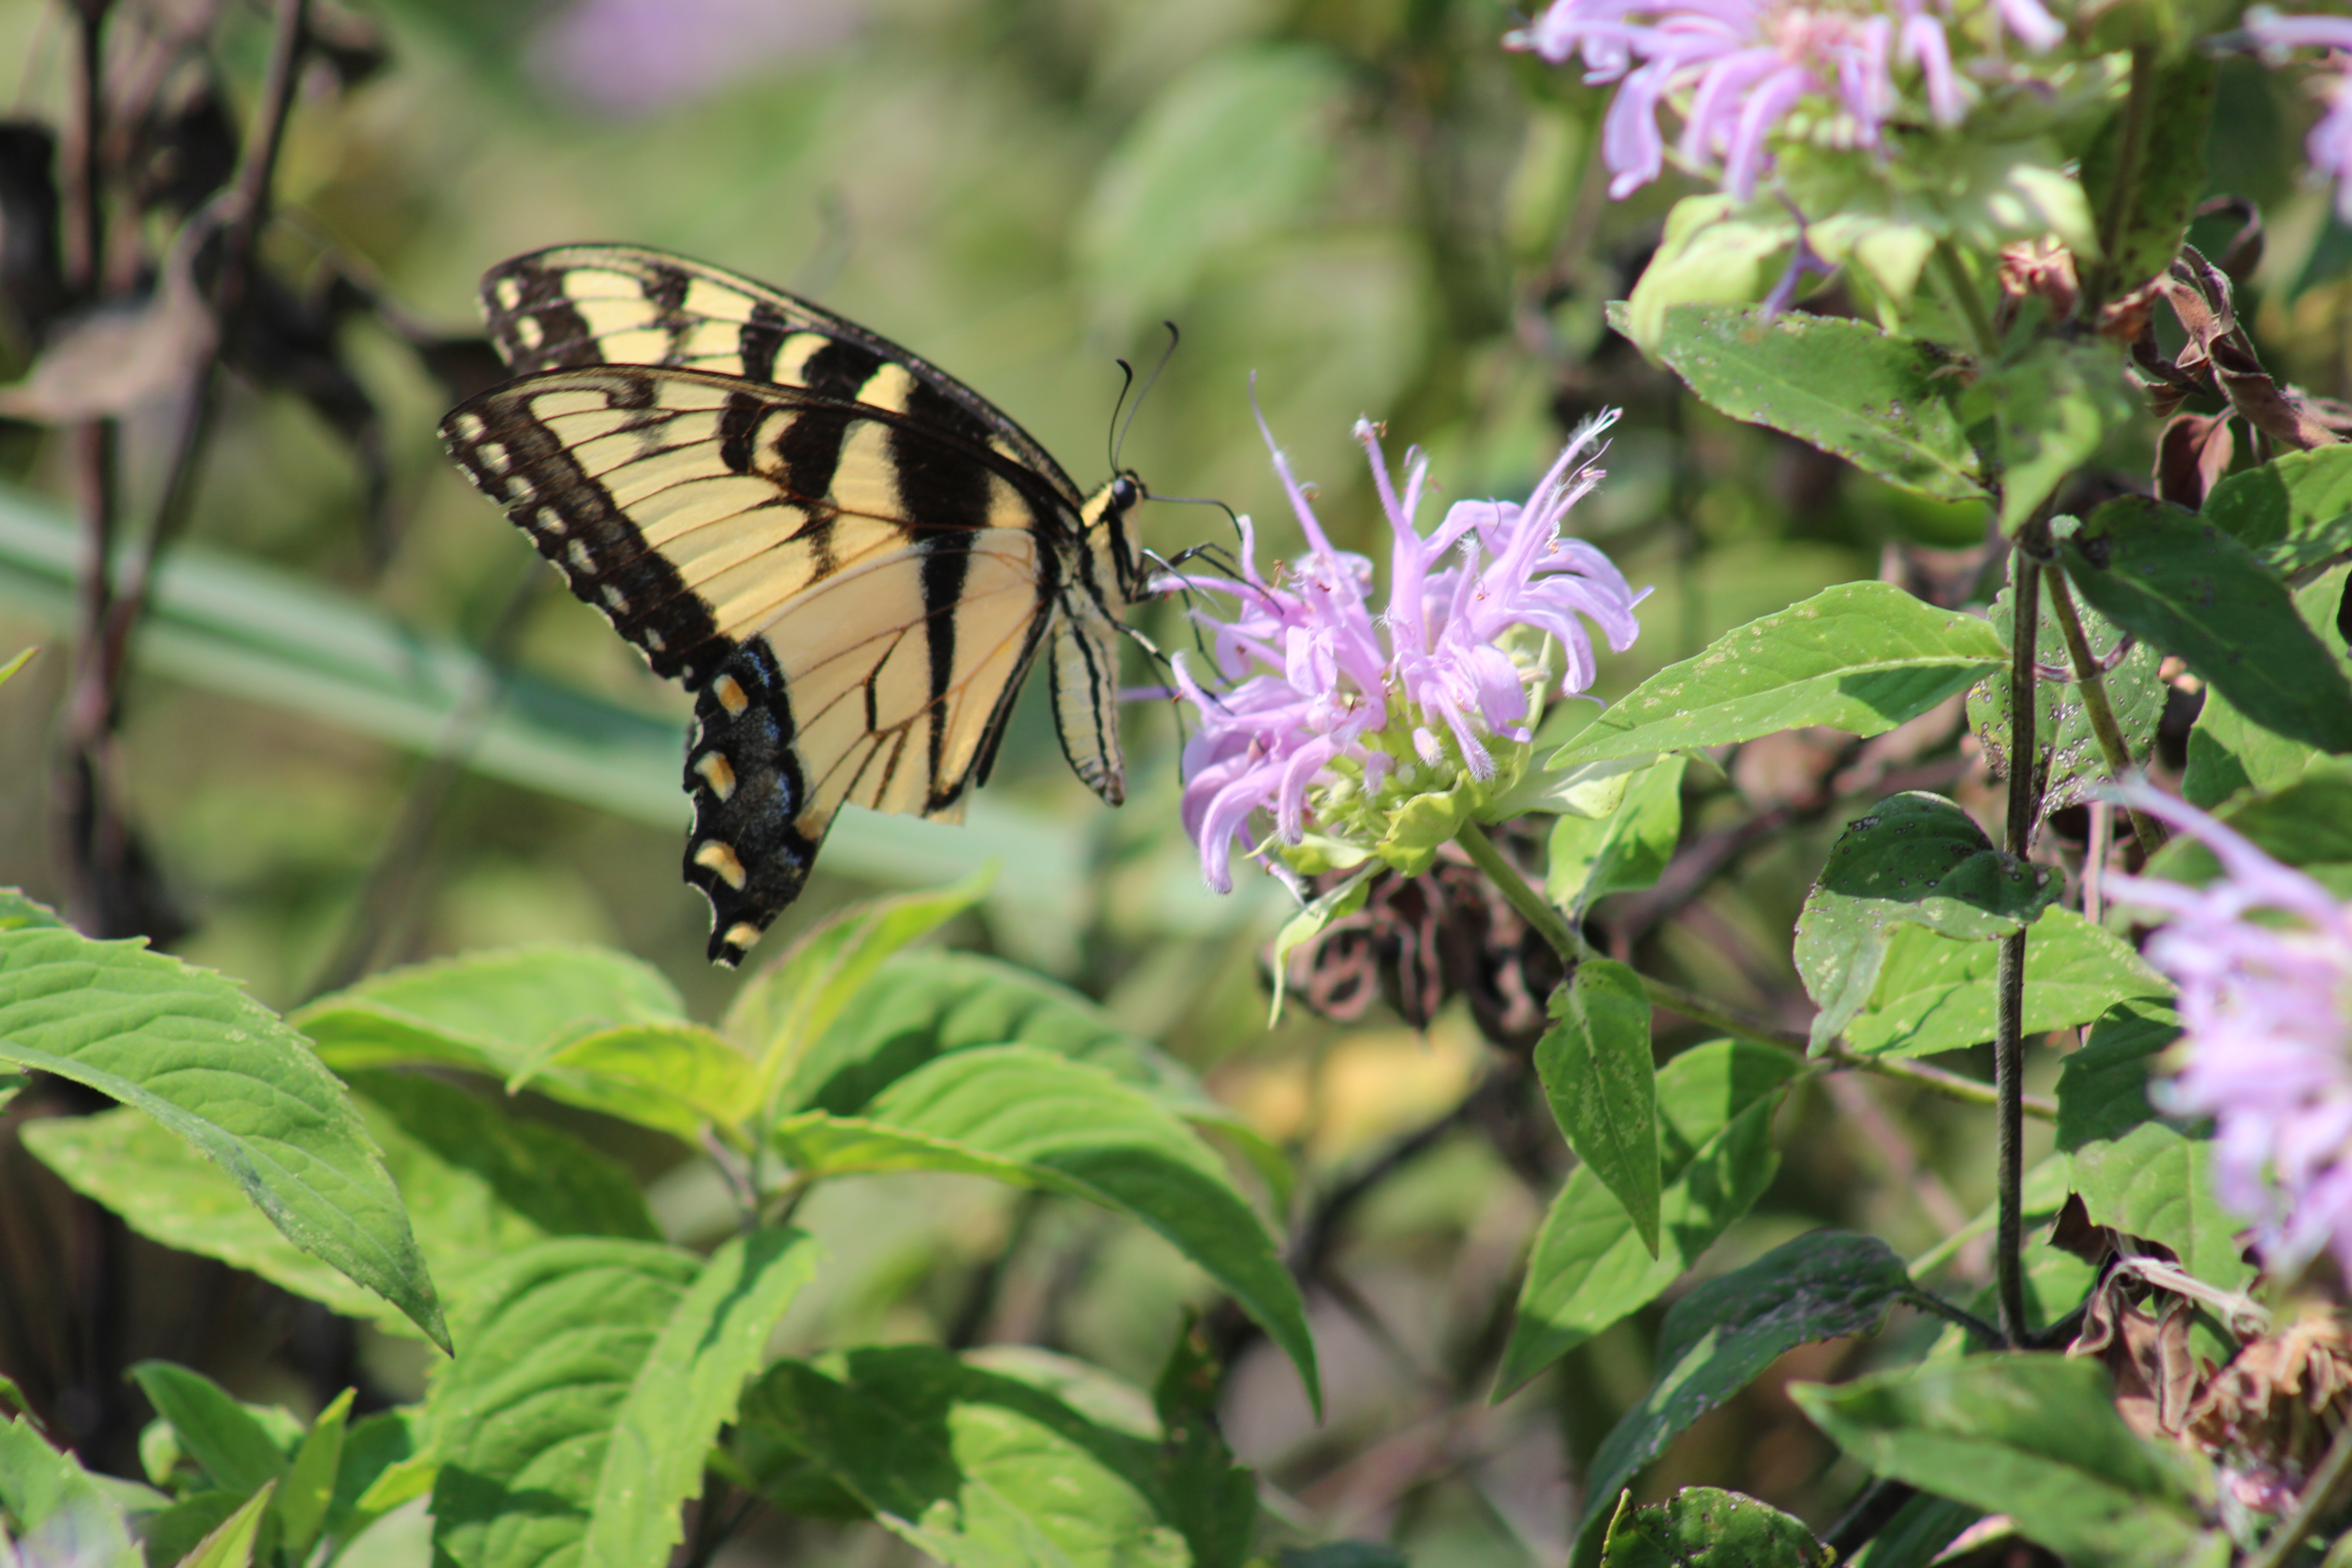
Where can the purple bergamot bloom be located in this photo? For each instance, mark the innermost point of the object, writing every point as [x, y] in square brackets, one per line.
[2329, 146]
[1331, 715]
[2266, 1045]
[1735, 69]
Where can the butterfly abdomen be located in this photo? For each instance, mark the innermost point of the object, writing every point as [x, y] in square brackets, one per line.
[747, 852]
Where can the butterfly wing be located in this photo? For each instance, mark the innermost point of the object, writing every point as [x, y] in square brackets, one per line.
[853, 594]
[578, 305]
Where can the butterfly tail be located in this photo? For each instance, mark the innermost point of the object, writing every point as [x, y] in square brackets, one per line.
[755, 841]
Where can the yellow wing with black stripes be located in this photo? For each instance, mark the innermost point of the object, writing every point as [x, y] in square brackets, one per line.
[852, 560]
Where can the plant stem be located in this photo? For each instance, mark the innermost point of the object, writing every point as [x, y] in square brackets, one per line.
[2147, 833]
[1698, 1009]
[2009, 1039]
[1927, 1301]
[1548, 921]
[2131, 157]
[2317, 1494]
[1965, 299]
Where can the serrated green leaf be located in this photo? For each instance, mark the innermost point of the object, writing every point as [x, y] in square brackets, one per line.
[1915, 859]
[590, 1379]
[2292, 512]
[1715, 251]
[487, 1012]
[1589, 1267]
[2072, 762]
[59, 1509]
[1936, 993]
[2137, 1173]
[2051, 410]
[1876, 400]
[2031, 1436]
[477, 1185]
[1028, 1117]
[686, 1391]
[784, 1009]
[1860, 656]
[930, 1003]
[673, 1078]
[1705, 1526]
[231, 1545]
[212, 1427]
[1626, 848]
[975, 1469]
[190, 1049]
[309, 1484]
[18, 912]
[1719, 1338]
[2190, 589]
[1597, 1074]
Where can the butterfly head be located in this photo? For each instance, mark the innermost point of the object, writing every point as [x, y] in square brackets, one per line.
[1106, 517]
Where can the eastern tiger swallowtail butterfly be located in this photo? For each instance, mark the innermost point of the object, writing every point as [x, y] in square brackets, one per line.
[851, 558]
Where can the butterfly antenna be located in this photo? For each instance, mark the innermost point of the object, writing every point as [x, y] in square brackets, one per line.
[1119, 441]
[1112, 436]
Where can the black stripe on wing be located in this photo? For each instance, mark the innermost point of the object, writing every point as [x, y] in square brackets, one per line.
[539, 321]
[747, 853]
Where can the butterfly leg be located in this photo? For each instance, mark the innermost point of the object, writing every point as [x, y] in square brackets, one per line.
[747, 852]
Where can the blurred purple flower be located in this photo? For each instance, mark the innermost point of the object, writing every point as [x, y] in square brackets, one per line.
[2266, 1047]
[633, 57]
[1737, 68]
[1373, 707]
[2329, 145]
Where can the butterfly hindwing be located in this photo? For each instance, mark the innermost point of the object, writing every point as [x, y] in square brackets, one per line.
[580, 305]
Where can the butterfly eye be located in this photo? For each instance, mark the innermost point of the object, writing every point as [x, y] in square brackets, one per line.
[1125, 492]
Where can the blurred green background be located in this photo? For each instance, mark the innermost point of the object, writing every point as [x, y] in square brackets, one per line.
[1349, 209]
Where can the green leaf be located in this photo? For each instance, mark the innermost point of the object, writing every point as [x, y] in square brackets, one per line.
[174, 1534]
[487, 1012]
[18, 912]
[378, 1470]
[1344, 1554]
[1233, 151]
[231, 1545]
[1209, 1499]
[1860, 656]
[973, 1467]
[2228, 752]
[1715, 251]
[1918, 1533]
[1717, 1341]
[1703, 1527]
[1588, 1266]
[310, 1479]
[2192, 589]
[1027, 1118]
[1936, 993]
[60, 1512]
[2307, 824]
[1877, 401]
[479, 1185]
[1916, 859]
[2051, 410]
[1597, 1073]
[1626, 849]
[685, 1390]
[212, 1427]
[2136, 1172]
[2072, 763]
[190, 1049]
[592, 1379]
[673, 1078]
[2034, 1437]
[15, 663]
[2165, 183]
[783, 1011]
[930, 1003]
[2292, 512]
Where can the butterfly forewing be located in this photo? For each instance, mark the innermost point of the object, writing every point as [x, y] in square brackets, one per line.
[579, 305]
